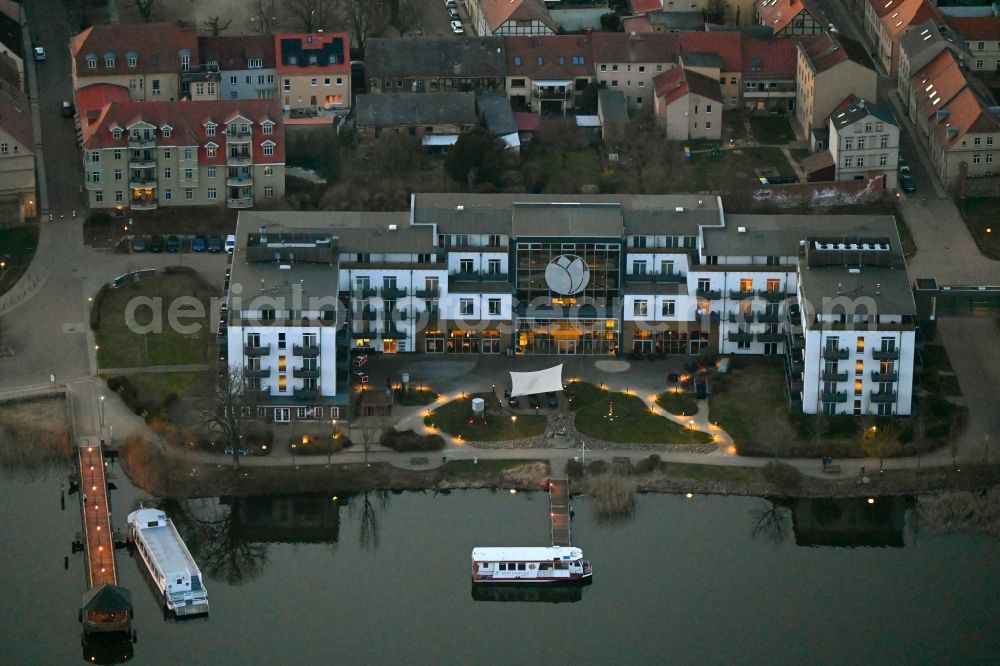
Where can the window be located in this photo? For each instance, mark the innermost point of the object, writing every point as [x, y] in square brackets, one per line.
[167, 173]
[861, 161]
[883, 160]
[313, 82]
[119, 196]
[494, 306]
[268, 170]
[976, 158]
[98, 196]
[578, 60]
[493, 266]
[188, 193]
[269, 191]
[168, 195]
[156, 88]
[94, 177]
[989, 141]
[883, 141]
[95, 156]
[639, 267]
[267, 127]
[118, 174]
[668, 309]
[848, 143]
[989, 158]
[210, 151]
[868, 127]
[117, 154]
[667, 267]
[210, 172]
[848, 162]
[604, 68]
[109, 60]
[209, 130]
[979, 64]
[268, 149]
[640, 307]
[188, 174]
[708, 124]
[116, 133]
[166, 153]
[465, 306]
[91, 62]
[185, 62]
[708, 108]
[861, 143]
[212, 194]
[614, 83]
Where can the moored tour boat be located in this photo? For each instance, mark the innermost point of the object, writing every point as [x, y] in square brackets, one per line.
[556, 564]
[169, 562]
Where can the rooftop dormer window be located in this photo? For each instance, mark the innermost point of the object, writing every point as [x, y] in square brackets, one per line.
[109, 60]
[91, 61]
[210, 129]
[116, 133]
[131, 59]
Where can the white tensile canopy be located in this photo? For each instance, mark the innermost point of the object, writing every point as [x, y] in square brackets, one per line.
[541, 381]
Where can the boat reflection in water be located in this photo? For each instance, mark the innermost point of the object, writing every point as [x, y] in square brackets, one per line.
[107, 648]
[547, 593]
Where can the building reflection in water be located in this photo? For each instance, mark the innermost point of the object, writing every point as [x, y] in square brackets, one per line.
[107, 648]
[851, 522]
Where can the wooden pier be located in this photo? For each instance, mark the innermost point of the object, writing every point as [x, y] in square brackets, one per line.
[559, 511]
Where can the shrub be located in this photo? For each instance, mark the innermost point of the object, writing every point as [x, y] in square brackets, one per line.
[611, 21]
[840, 426]
[613, 496]
[99, 219]
[783, 476]
[574, 469]
[179, 270]
[648, 465]
[803, 423]
[597, 467]
[905, 435]
[408, 440]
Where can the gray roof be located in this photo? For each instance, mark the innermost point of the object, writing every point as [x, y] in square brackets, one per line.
[456, 213]
[677, 20]
[611, 104]
[922, 43]
[779, 235]
[859, 110]
[888, 288]
[701, 59]
[569, 219]
[432, 108]
[498, 114]
[428, 57]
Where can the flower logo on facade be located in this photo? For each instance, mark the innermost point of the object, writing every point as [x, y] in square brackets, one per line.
[567, 274]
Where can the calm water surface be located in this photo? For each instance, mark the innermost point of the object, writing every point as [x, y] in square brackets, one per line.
[313, 580]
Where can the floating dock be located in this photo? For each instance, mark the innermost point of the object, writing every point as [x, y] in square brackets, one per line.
[559, 512]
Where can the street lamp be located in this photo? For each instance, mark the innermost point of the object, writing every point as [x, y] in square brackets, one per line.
[293, 455]
[329, 447]
[513, 427]
[102, 414]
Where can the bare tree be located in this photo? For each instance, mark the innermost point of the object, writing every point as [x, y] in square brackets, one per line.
[145, 8]
[366, 17]
[772, 523]
[369, 433]
[263, 16]
[311, 15]
[236, 401]
[404, 15]
[215, 25]
[217, 544]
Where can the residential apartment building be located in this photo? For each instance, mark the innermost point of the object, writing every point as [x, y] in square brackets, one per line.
[511, 17]
[628, 63]
[829, 67]
[688, 105]
[864, 137]
[791, 18]
[17, 151]
[573, 275]
[145, 155]
[982, 38]
[769, 75]
[11, 40]
[315, 72]
[437, 118]
[917, 47]
[244, 65]
[890, 19]
[435, 64]
[147, 59]
[548, 73]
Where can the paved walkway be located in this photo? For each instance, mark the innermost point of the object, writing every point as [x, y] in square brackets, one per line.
[152, 369]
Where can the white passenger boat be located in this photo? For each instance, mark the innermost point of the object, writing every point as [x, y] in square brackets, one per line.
[169, 562]
[556, 564]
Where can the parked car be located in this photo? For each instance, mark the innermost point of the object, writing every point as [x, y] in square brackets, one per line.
[553, 401]
[214, 244]
[67, 109]
[906, 183]
[450, 4]
[535, 401]
[138, 243]
[904, 167]
[454, 14]
[39, 53]
[456, 27]
[173, 244]
[230, 244]
[199, 243]
[514, 402]
[156, 243]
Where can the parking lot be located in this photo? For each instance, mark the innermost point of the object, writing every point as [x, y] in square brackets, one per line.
[179, 244]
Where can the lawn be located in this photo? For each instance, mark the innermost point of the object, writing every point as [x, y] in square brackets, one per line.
[191, 341]
[750, 403]
[981, 218]
[454, 419]
[561, 171]
[415, 397]
[17, 247]
[721, 473]
[905, 237]
[624, 419]
[938, 375]
[158, 386]
[935, 359]
[677, 403]
[771, 129]
[800, 154]
[735, 168]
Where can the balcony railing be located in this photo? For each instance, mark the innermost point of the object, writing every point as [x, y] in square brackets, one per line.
[368, 314]
[884, 376]
[143, 204]
[835, 354]
[303, 373]
[239, 202]
[141, 183]
[305, 394]
[393, 292]
[550, 94]
[238, 137]
[239, 181]
[257, 351]
[770, 337]
[883, 396]
[307, 351]
[740, 337]
[834, 376]
[141, 162]
[739, 295]
[885, 354]
[768, 317]
[258, 372]
[709, 294]
[366, 292]
[771, 296]
[837, 396]
[665, 278]
[239, 160]
[141, 142]
[428, 293]
[735, 318]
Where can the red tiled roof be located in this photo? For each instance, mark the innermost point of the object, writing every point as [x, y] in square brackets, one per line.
[643, 6]
[937, 83]
[538, 57]
[777, 14]
[527, 121]
[91, 100]
[678, 82]
[844, 105]
[637, 24]
[498, 12]
[975, 27]
[157, 48]
[726, 44]
[15, 116]
[326, 45]
[966, 113]
[778, 57]
[232, 51]
[187, 121]
[623, 47]
[828, 50]
[904, 13]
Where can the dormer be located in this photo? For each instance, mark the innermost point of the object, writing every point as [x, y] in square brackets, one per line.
[166, 131]
[210, 128]
[116, 132]
[267, 127]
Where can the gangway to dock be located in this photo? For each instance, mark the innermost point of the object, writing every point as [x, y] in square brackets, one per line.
[559, 512]
[99, 545]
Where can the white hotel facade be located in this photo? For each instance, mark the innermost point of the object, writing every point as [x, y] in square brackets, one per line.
[627, 275]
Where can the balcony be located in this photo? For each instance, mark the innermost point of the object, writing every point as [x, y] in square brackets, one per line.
[239, 181]
[709, 294]
[141, 183]
[394, 333]
[883, 377]
[834, 354]
[239, 159]
[365, 334]
[656, 278]
[834, 376]
[239, 202]
[365, 292]
[771, 296]
[305, 394]
[740, 337]
[837, 396]
[239, 137]
[303, 373]
[141, 161]
[144, 204]
[768, 317]
[258, 372]
[428, 293]
[306, 351]
[885, 354]
[882, 396]
[770, 337]
[739, 295]
[734, 318]
[367, 314]
[393, 292]
[257, 351]
[549, 94]
[141, 142]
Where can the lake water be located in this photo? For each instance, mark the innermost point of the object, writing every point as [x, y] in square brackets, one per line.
[314, 580]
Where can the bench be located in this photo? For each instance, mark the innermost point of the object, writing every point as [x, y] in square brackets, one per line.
[831, 469]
